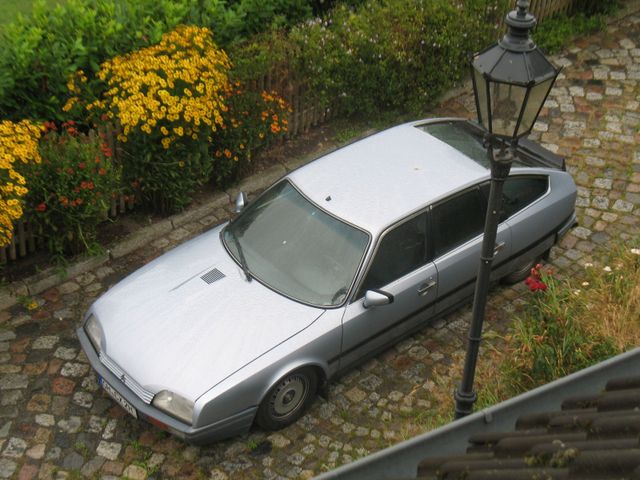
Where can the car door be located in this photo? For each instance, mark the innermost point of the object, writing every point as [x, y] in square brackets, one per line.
[399, 268]
[456, 230]
[529, 220]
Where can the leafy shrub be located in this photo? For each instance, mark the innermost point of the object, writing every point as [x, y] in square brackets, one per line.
[384, 54]
[594, 7]
[39, 52]
[18, 144]
[554, 33]
[252, 120]
[168, 101]
[70, 191]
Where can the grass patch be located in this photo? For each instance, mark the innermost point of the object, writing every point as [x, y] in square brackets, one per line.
[574, 323]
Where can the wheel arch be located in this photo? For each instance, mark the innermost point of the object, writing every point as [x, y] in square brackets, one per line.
[321, 369]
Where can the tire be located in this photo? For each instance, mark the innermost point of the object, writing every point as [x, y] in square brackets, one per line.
[521, 272]
[288, 399]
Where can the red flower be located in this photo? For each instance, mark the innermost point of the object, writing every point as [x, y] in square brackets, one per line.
[534, 281]
[49, 126]
[70, 171]
[81, 165]
[42, 207]
[102, 171]
[106, 151]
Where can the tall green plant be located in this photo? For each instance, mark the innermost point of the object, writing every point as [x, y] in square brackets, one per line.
[551, 340]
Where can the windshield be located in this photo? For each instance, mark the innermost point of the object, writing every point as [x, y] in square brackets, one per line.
[296, 248]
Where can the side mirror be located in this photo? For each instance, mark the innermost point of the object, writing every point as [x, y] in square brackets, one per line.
[376, 298]
[241, 201]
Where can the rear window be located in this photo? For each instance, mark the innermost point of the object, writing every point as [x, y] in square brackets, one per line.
[519, 192]
[463, 138]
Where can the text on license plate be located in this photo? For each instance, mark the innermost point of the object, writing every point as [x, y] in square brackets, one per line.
[118, 398]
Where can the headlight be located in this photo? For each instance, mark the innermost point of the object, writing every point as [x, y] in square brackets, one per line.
[94, 332]
[175, 405]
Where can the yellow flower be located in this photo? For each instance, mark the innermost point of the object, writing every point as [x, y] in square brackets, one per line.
[141, 85]
[18, 143]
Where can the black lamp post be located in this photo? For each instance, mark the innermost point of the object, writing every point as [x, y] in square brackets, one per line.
[511, 81]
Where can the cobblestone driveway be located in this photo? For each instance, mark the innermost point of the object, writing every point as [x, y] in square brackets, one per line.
[56, 423]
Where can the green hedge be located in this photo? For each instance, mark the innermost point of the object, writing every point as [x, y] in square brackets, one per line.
[382, 55]
[38, 52]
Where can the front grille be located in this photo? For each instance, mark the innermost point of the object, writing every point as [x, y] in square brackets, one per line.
[213, 276]
[134, 386]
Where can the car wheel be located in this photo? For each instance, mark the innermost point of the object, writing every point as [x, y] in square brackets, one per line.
[287, 400]
[521, 272]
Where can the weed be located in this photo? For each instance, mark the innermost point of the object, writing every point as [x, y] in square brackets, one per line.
[82, 449]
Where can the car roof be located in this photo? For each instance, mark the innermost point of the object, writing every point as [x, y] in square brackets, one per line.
[378, 180]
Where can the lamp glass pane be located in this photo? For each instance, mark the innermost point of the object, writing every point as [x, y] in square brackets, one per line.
[534, 103]
[506, 104]
[481, 97]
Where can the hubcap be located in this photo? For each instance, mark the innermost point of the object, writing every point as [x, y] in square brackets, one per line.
[290, 395]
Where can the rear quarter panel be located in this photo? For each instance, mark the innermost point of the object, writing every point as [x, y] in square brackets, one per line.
[545, 215]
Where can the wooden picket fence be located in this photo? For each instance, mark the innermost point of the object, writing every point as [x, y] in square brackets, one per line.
[306, 113]
[542, 9]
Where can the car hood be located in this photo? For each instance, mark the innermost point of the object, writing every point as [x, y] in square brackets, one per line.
[169, 328]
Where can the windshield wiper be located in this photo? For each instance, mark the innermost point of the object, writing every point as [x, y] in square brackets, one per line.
[243, 261]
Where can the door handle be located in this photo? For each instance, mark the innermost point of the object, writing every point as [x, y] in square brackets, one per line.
[425, 287]
[498, 247]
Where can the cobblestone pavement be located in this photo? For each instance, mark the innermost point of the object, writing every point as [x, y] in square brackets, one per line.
[56, 423]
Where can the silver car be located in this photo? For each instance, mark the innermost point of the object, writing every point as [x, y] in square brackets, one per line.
[336, 261]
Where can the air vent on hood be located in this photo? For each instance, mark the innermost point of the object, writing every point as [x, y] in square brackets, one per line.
[213, 276]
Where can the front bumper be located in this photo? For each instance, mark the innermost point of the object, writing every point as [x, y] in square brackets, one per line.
[228, 427]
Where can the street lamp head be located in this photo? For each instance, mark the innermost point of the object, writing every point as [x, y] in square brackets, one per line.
[511, 79]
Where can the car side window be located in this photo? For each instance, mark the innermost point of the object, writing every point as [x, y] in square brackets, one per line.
[519, 192]
[401, 250]
[457, 220]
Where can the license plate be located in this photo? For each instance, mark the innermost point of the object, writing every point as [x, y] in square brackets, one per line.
[118, 398]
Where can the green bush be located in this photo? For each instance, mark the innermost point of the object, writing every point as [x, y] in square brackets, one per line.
[70, 190]
[594, 7]
[554, 33]
[39, 52]
[252, 121]
[382, 55]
